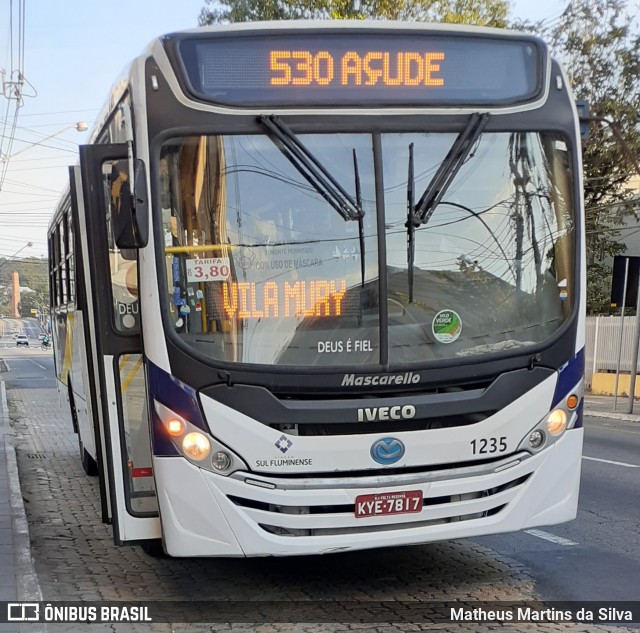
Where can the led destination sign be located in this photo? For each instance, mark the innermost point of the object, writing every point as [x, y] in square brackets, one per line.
[313, 298]
[362, 68]
[404, 68]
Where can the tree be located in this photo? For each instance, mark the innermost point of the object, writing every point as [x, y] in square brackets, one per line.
[596, 42]
[34, 274]
[480, 12]
[598, 46]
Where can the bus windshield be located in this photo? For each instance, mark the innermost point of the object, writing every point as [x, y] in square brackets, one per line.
[261, 269]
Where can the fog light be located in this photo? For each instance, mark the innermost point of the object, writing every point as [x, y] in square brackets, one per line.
[175, 427]
[196, 446]
[536, 439]
[221, 460]
[557, 422]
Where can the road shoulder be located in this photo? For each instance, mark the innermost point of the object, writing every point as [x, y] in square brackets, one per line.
[15, 543]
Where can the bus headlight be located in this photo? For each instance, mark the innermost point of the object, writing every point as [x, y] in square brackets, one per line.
[557, 422]
[196, 446]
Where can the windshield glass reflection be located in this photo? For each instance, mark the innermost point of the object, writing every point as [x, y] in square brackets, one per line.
[261, 268]
[493, 263]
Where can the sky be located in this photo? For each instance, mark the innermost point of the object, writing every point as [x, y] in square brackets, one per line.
[73, 52]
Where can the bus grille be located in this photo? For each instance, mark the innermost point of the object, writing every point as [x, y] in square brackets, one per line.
[395, 426]
[280, 531]
[338, 519]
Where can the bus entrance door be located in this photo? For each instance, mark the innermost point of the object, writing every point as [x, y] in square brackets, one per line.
[115, 355]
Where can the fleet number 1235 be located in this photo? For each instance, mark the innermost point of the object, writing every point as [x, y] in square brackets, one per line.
[489, 445]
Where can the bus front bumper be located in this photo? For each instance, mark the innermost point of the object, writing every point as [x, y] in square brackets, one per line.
[204, 514]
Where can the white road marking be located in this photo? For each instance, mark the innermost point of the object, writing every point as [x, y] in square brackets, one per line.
[38, 364]
[547, 536]
[612, 428]
[610, 461]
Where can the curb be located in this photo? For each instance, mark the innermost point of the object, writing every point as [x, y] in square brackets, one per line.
[612, 416]
[27, 586]
[26, 578]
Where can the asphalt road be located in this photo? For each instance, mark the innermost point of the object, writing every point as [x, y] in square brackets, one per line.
[28, 368]
[8, 327]
[597, 556]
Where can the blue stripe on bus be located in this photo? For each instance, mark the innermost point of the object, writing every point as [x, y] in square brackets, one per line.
[580, 412]
[568, 377]
[177, 396]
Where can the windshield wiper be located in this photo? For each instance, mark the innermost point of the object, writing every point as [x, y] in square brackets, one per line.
[450, 167]
[356, 172]
[319, 177]
[312, 169]
[420, 213]
[411, 224]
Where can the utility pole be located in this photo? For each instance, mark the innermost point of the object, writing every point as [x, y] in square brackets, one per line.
[15, 300]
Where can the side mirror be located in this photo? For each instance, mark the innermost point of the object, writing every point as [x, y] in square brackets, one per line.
[129, 213]
[584, 116]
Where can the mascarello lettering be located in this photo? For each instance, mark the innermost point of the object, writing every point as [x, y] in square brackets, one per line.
[353, 380]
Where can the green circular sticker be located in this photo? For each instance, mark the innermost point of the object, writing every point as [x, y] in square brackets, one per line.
[447, 326]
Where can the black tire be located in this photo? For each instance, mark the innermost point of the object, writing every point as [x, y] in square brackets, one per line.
[88, 463]
[153, 548]
[72, 406]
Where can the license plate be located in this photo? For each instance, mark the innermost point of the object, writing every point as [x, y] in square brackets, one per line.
[387, 503]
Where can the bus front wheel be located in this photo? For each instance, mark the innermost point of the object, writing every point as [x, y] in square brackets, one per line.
[153, 548]
[88, 463]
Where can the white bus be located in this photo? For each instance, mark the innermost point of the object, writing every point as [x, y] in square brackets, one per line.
[320, 287]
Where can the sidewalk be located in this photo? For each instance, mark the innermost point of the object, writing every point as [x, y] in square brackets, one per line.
[8, 582]
[602, 407]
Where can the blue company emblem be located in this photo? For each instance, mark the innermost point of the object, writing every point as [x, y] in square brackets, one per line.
[388, 450]
[284, 443]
